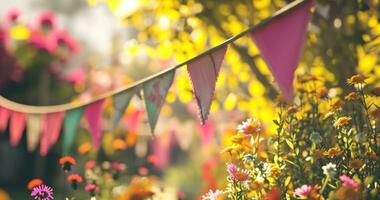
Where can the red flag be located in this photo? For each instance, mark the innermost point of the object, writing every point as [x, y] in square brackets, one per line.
[281, 42]
[93, 114]
[17, 127]
[4, 115]
[203, 74]
[51, 129]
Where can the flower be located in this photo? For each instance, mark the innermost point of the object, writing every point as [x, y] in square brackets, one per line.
[236, 173]
[319, 154]
[92, 189]
[118, 169]
[332, 152]
[250, 126]
[304, 190]
[342, 121]
[13, 15]
[329, 169]
[42, 192]
[119, 144]
[34, 183]
[351, 96]
[356, 164]
[91, 164]
[315, 137]
[322, 93]
[357, 79]
[273, 194]
[4, 195]
[46, 20]
[347, 193]
[211, 195]
[62, 39]
[74, 180]
[336, 104]
[143, 171]
[66, 162]
[84, 148]
[347, 181]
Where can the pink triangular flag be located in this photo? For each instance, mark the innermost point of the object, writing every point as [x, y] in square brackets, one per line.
[4, 116]
[207, 132]
[161, 150]
[17, 126]
[203, 74]
[281, 42]
[51, 129]
[93, 114]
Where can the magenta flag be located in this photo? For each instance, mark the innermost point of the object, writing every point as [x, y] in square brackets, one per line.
[281, 43]
[51, 129]
[17, 126]
[4, 116]
[93, 114]
[203, 74]
[207, 132]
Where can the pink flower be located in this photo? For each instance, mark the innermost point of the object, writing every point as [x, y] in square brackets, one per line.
[211, 195]
[13, 15]
[236, 173]
[42, 192]
[304, 190]
[46, 20]
[64, 39]
[76, 76]
[92, 189]
[346, 180]
[91, 164]
[38, 40]
[250, 126]
[119, 167]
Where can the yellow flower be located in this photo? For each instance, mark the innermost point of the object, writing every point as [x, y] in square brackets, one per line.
[357, 79]
[229, 149]
[322, 93]
[327, 115]
[351, 96]
[238, 138]
[336, 105]
[342, 121]
[119, 144]
[356, 164]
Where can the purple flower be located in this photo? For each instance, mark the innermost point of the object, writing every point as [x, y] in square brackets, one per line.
[236, 173]
[42, 192]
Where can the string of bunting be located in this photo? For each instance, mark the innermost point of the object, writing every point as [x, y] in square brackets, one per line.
[279, 38]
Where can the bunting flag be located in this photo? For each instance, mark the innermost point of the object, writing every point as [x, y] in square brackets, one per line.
[207, 132]
[281, 43]
[155, 94]
[17, 126]
[51, 128]
[70, 127]
[120, 103]
[33, 131]
[93, 114]
[161, 146]
[4, 115]
[203, 74]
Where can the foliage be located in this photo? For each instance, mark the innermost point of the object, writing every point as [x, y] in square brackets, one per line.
[324, 147]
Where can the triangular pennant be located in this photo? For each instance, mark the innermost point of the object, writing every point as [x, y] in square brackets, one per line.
[207, 132]
[161, 146]
[120, 103]
[4, 115]
[155, 92]
[203, 74]
[93, 114]
[72, 118]
[51, 128]
[281, 42]
[33, 130]
[17, 126]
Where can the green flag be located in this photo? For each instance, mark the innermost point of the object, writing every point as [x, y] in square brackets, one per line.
[70, 127]
[155, 92]
[120, 103]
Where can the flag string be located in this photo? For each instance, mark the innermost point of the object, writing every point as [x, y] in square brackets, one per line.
[138, 84]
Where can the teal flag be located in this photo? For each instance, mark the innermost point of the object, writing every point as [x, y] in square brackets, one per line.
[120, 103]
[72, 118]
[155, 92]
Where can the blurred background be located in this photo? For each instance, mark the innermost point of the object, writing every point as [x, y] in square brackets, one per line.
[60, 51]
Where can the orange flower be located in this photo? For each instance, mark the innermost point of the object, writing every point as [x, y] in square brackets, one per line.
[34, 183]
[342, 121]
[67, 162]
[351, 96]
[84, 148]
[119, 144]
[347, 193]
[357, 79]
[273, 194]
[4, 195]
[332, 152]
[356, 164]
[74, 178]
[319, 154]
[322, 93]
